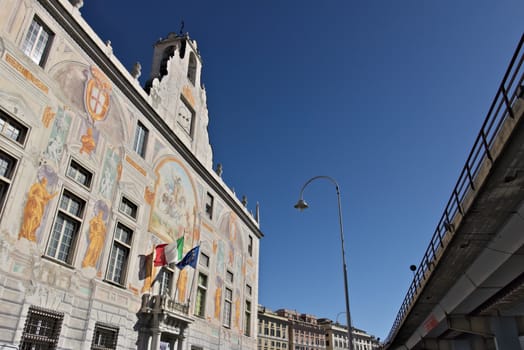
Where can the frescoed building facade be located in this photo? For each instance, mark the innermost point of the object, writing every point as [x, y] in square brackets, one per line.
[95, 173]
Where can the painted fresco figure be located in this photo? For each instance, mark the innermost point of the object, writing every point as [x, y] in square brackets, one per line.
[218, 297]
[97, 234]
[181, 286]
[37, 199]
[88, 143]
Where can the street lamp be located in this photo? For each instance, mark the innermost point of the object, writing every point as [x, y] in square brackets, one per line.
[301, 205]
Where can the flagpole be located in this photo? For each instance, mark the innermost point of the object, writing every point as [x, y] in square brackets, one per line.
[151, 279]
[193, 281]
[176, 285]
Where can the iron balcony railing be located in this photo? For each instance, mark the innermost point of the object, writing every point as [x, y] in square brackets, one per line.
[480, 156]
[161, 303]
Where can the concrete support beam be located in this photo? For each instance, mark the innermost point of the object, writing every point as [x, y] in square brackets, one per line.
[471, 325]
[473, 333]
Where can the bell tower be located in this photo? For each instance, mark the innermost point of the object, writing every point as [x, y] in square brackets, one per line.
[165, 49]
[177, 93]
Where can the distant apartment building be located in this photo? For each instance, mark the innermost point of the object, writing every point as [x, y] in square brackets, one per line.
[306, 332]
[364, 341]
[272, 330]
[337, 337]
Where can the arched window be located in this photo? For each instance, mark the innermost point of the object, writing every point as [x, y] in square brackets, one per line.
[191, 69]
[168, 53]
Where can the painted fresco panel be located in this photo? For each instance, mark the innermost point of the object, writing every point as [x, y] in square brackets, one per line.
[110, 174]
[58, 137]
[175, 204]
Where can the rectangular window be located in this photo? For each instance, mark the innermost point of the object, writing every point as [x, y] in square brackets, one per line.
[42, 329]
[209, 206]
[7, 169]
[12, 129]
[229, 276]
[200, 304]
[116, 270]
[247, 319]
[248, 289]
[250, 246]
[37, 42]
[228, 303]
[129, 208]
[105, 337]
[66, 228]
[165, 278]
[204, 259]
[79, 174]
[141, 135]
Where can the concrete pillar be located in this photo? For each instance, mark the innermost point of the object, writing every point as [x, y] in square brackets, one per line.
[506, 333]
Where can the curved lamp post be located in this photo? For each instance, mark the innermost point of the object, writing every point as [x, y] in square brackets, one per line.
[301, 205]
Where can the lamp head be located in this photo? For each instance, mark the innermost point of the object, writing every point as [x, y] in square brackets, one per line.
[301, 204]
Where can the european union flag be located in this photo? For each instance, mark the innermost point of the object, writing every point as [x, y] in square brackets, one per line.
[190, 258]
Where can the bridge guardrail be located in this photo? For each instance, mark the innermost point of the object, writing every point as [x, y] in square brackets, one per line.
[510, 89]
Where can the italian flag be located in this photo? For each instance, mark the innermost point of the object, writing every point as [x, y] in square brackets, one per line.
[169, 253]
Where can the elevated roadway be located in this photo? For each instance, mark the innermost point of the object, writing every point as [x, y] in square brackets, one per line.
[468, 291]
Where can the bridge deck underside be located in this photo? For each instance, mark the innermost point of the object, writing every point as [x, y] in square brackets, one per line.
[501, 193]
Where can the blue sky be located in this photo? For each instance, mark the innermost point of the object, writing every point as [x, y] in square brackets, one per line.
[385, 96]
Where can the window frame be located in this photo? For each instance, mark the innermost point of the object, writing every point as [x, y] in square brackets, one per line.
[67, 216]
[141, 139]
[125, 201]
[228, 307]
[6, 179]
[200, 304]
[210, 201]
[192, 68]
[41, 315]
[28, 51]
[247, 318]
[230, 277]
[79, 170]
[6, 121]
[102, 327]
[250, 246]
[118, 243]
[165, 285]
[203, 259]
